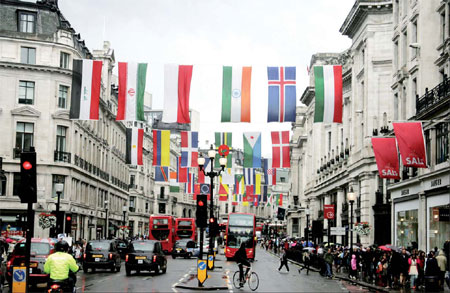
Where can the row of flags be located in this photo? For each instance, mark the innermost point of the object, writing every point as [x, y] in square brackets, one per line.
[236, 92]
[411, 143]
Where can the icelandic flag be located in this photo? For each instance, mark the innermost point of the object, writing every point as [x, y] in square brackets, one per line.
[189, 148]
[190, 185]
[249, 176]
[201, 176]
[161, 174]
[182, 173]
[270, 174]
[282, 94]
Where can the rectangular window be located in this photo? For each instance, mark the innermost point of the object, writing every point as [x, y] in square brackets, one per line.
[146, 207]
[27, 22]
[428, 144]
[26, 92]
[442, 142]
[57, 179]
[27, 55]
[62, 96]
[414, 39]
[61, 138]
[162, 208]
[132, 179]
[64, 59]
[407, 228]
[132, 201]
[329, 141]
[24, 135]
[16, 184]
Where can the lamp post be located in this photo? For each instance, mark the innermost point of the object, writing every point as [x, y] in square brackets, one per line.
[59, 187]
[124, 210]
[351, 196]
[211, 174]
[106, 219]
[307, 212]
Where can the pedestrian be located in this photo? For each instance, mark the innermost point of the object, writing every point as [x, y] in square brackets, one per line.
[353, 267]
[413, 270]
[306, 261]
[328, 258]
[404, 266]
[442, 263]
[283, 260]
[432, 272]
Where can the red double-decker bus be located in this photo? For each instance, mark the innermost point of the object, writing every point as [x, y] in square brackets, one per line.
[241, 228]
[185, 228]
[162, 228]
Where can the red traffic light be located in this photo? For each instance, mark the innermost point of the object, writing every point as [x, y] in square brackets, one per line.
[68, 218]
[200, 203]
[211, 220]
[27, 165]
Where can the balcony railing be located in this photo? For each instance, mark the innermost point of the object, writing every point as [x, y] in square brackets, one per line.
[62, 157]
[434, 96]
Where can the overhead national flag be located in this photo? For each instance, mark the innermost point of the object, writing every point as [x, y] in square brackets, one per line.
[223, 188]
[282, 94]
[234, 202]
[182, 173]
[236, 94]
[239, 185]
[256, 199]
[134, 143]
[132, 78]
[161, 174]
[85, 96]
[252, 149]
[249, 176]
[270, 174]
[411, 144]
[161, 148]
[227, 176]
[328, 88]
[201, 176]
[264, 198]
[280, 149]
[174, 186]
[386, 156]
[257, 188]
[190, 185]
[223, 138]
[269, 200]
[248, 196]
[177, 86]
[189, 148]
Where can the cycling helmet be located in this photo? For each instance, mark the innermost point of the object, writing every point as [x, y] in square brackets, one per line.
[62, 246]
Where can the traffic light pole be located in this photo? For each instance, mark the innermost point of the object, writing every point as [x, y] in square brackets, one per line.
[200, 256]
[58, 220]
[29, 235]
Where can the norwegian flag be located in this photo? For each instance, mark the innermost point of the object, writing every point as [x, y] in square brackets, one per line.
[190, 185]
[270, 174]
[280, 149]
[189, 148]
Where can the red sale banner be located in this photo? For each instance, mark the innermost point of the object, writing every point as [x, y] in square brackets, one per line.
[411, 144]
[386, 155]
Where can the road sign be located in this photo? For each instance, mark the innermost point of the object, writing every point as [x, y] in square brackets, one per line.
[201, 270]
[210, 261]
[339, 231]
[19, 279]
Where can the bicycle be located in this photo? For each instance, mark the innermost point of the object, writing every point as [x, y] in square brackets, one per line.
[252, 277]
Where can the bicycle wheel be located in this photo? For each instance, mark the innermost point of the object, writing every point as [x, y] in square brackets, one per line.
[236, 280]
[253, 281]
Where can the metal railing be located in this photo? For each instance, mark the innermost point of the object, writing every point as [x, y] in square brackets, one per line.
[60, 156]
[434, 96]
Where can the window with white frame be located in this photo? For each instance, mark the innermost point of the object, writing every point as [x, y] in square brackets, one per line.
[28, 55]
[64, 60]
[24, 135]
[61, 138]
[26, 92]
[63, 96]
[27, 22]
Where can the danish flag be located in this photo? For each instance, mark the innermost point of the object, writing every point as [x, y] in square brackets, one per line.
[280, 149]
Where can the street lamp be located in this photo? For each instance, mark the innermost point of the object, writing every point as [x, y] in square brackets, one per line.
[211, 174]
[124, 210]
[106, 219]
[351, 197]
[307, 212]
[59, 187]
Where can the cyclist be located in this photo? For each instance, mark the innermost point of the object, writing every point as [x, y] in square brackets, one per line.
[60, 264]
[241, 259]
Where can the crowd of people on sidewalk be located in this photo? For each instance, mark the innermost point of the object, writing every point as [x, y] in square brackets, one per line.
[385, 266]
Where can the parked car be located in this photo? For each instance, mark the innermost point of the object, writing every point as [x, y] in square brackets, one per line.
[101, 254]
[145, 255]
[41, 248]
[183, 248]
[122, 247]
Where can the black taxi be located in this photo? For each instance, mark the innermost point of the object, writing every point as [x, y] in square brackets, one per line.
[101, 254]
[145, 255]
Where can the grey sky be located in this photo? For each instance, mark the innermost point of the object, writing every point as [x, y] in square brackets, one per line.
[210, 34]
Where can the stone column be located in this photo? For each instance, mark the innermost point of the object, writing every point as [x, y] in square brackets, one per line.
[338, 212]
[325, 222]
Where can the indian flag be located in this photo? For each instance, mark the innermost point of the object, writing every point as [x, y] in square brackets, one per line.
[236, 94]
[131, 91]
[328, 83]
[134, 143]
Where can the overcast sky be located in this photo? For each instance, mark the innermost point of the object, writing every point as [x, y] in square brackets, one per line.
[209, 34]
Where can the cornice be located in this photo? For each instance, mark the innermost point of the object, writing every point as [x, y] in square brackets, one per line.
[61, 114]
[27, 111]
[42, 68]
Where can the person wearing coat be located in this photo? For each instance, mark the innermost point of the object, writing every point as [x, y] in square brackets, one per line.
[442, 263]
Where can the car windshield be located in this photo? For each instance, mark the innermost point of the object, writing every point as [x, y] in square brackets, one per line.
[185, 223]
[142, 246]
[121, 245]
[98, 246]
[36, 248]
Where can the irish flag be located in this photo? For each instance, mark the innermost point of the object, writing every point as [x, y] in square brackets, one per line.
[85, 97]
[131, 91]
[177, 87]
[328, 83]
[252, 149]
[135, 139]
[236, 94]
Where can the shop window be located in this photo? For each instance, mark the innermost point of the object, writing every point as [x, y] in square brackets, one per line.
[442, 142]
[407, 228]
[439, 225]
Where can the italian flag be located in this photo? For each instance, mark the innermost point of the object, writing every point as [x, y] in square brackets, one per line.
[85, 97]
[135, 139]
[236, 94]
[131, 91]
[328, 87]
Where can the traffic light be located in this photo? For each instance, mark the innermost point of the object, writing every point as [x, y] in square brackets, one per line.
[213, 227]
[68, 224]
[201, 213]
[27, 191]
